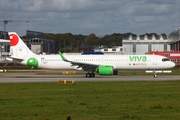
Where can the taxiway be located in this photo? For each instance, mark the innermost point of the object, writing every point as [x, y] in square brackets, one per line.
[32, 77]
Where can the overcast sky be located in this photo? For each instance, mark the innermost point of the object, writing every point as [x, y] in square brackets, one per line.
[91, 16]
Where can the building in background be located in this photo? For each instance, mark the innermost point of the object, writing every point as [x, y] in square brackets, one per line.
[4, 46]
[144, 44]
[114, 50]
[85, 48]
[36, 42]
[175, 40]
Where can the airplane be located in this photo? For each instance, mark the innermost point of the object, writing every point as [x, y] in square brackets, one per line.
[102, 64]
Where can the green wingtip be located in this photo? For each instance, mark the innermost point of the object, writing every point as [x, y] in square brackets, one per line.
[63, 58]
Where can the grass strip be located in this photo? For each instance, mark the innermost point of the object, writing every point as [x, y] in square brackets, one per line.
[90, 101]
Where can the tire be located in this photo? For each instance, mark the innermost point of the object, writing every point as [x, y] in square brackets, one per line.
[92, 75]
[155, 76]
[88, 75]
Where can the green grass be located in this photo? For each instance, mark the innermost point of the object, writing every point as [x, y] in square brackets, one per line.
[90, 101]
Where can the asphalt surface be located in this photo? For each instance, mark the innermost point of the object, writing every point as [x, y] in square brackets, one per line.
[33, 77]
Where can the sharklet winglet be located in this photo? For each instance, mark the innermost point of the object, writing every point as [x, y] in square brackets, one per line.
[63, 58]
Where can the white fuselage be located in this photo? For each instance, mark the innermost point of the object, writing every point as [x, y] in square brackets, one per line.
[119, 62]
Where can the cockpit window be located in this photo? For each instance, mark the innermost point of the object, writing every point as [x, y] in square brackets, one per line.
[165, 59]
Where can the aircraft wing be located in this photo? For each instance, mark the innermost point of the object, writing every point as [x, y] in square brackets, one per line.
[84, 66]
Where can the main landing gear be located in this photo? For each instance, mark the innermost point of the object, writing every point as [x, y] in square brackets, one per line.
[155, 74]
[90, 74]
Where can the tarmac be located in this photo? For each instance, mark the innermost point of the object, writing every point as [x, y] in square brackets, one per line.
[24, 77]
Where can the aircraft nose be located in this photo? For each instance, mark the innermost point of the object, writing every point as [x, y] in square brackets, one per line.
[172, 64]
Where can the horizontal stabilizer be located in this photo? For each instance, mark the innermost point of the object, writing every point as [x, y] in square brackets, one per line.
[14, 59]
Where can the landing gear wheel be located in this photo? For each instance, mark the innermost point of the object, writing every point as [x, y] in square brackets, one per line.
[92, 75]
[155, 76]
[88, 75]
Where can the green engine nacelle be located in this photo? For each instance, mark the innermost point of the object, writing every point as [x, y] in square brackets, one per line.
[105, 70]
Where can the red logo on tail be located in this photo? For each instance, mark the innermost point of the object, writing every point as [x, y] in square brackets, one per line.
[13, 39]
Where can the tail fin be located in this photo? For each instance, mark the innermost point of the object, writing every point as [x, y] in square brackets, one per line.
[18, 48]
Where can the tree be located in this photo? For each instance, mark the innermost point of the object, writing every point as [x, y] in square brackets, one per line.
[92, 39]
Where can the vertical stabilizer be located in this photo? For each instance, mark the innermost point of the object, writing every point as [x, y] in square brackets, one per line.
[18, 48]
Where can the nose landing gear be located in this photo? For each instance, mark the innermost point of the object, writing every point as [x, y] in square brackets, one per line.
[155, 74]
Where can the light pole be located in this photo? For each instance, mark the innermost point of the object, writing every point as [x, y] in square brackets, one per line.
[64, 45]
[48, 48]
[59, 46]
[77, 46]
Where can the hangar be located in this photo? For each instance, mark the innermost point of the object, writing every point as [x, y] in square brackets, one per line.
[144, 44]
[175, 40]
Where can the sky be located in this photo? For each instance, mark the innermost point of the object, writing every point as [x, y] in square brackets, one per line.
[100, 17]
